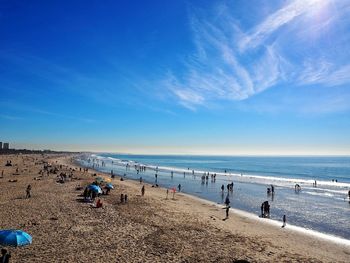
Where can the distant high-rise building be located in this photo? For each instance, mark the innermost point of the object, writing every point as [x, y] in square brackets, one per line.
[0, 145]
[6, 146]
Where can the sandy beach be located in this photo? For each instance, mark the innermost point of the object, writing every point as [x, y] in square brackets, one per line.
[145, 229]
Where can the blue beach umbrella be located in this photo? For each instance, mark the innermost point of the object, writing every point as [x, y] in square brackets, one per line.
[95, 188]
[109, 186]
[14, 238]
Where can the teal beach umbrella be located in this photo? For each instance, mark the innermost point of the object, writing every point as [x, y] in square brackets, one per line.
[14, 238]
[95, 188]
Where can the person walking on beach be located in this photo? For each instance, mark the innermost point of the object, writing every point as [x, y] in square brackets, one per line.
[284, 220]
[227, 201]
[143, 190]
[179, 187]
[227, 207]
[141, 180]
[28, 190]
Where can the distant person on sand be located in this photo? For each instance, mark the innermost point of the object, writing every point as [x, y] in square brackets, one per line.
[227, 211]
[284, 220]
[179, 187]
[143, 190]
[5, 257]
[141, 180]
[28, 190]
[227, 201]
[98, 203]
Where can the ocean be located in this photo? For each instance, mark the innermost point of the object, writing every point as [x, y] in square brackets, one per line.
[324, 208]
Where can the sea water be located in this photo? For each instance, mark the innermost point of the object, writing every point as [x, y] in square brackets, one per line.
[324, 207]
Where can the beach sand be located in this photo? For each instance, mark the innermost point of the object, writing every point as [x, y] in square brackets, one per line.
[146, 229]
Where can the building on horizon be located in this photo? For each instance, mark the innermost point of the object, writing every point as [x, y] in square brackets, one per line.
[6, 146]
[0, 145]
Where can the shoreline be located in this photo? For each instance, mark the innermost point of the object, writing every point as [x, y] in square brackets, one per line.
[145, 229]
[244, 214]
[235, 174]
[274, 222]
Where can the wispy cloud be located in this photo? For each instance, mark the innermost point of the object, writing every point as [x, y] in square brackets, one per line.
[217, 71]
[276, 20]
[324, 73]
[233, 64]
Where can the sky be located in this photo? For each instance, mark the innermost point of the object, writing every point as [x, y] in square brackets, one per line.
[176, 77]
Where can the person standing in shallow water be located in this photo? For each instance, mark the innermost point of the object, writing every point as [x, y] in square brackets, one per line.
[179, 187]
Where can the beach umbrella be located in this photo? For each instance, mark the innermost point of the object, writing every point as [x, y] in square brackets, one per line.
[109, 186]
[95, 188]
[14, 238]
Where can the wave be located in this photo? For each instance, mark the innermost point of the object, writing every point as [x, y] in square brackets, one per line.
[253, 178]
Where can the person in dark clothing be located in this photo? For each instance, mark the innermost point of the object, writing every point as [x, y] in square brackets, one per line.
[5, 256]
[28, 190]
[227, 211]
[143, 190]
[179, 187]
[284, 221]
[227, 201]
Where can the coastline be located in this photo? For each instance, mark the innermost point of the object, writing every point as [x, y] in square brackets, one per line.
[148, 229]
[249, 191]
[244, 214]
[241, 215]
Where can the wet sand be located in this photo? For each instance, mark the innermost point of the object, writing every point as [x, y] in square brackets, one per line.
[146, 229]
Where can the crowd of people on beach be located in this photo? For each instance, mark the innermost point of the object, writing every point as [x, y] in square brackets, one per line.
[205, 178]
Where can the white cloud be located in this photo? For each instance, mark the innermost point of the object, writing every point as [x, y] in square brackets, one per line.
[216, 71]
[324, 73]
[233, 65]
[276, 20]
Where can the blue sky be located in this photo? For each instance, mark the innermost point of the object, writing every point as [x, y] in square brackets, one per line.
[191, 77]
